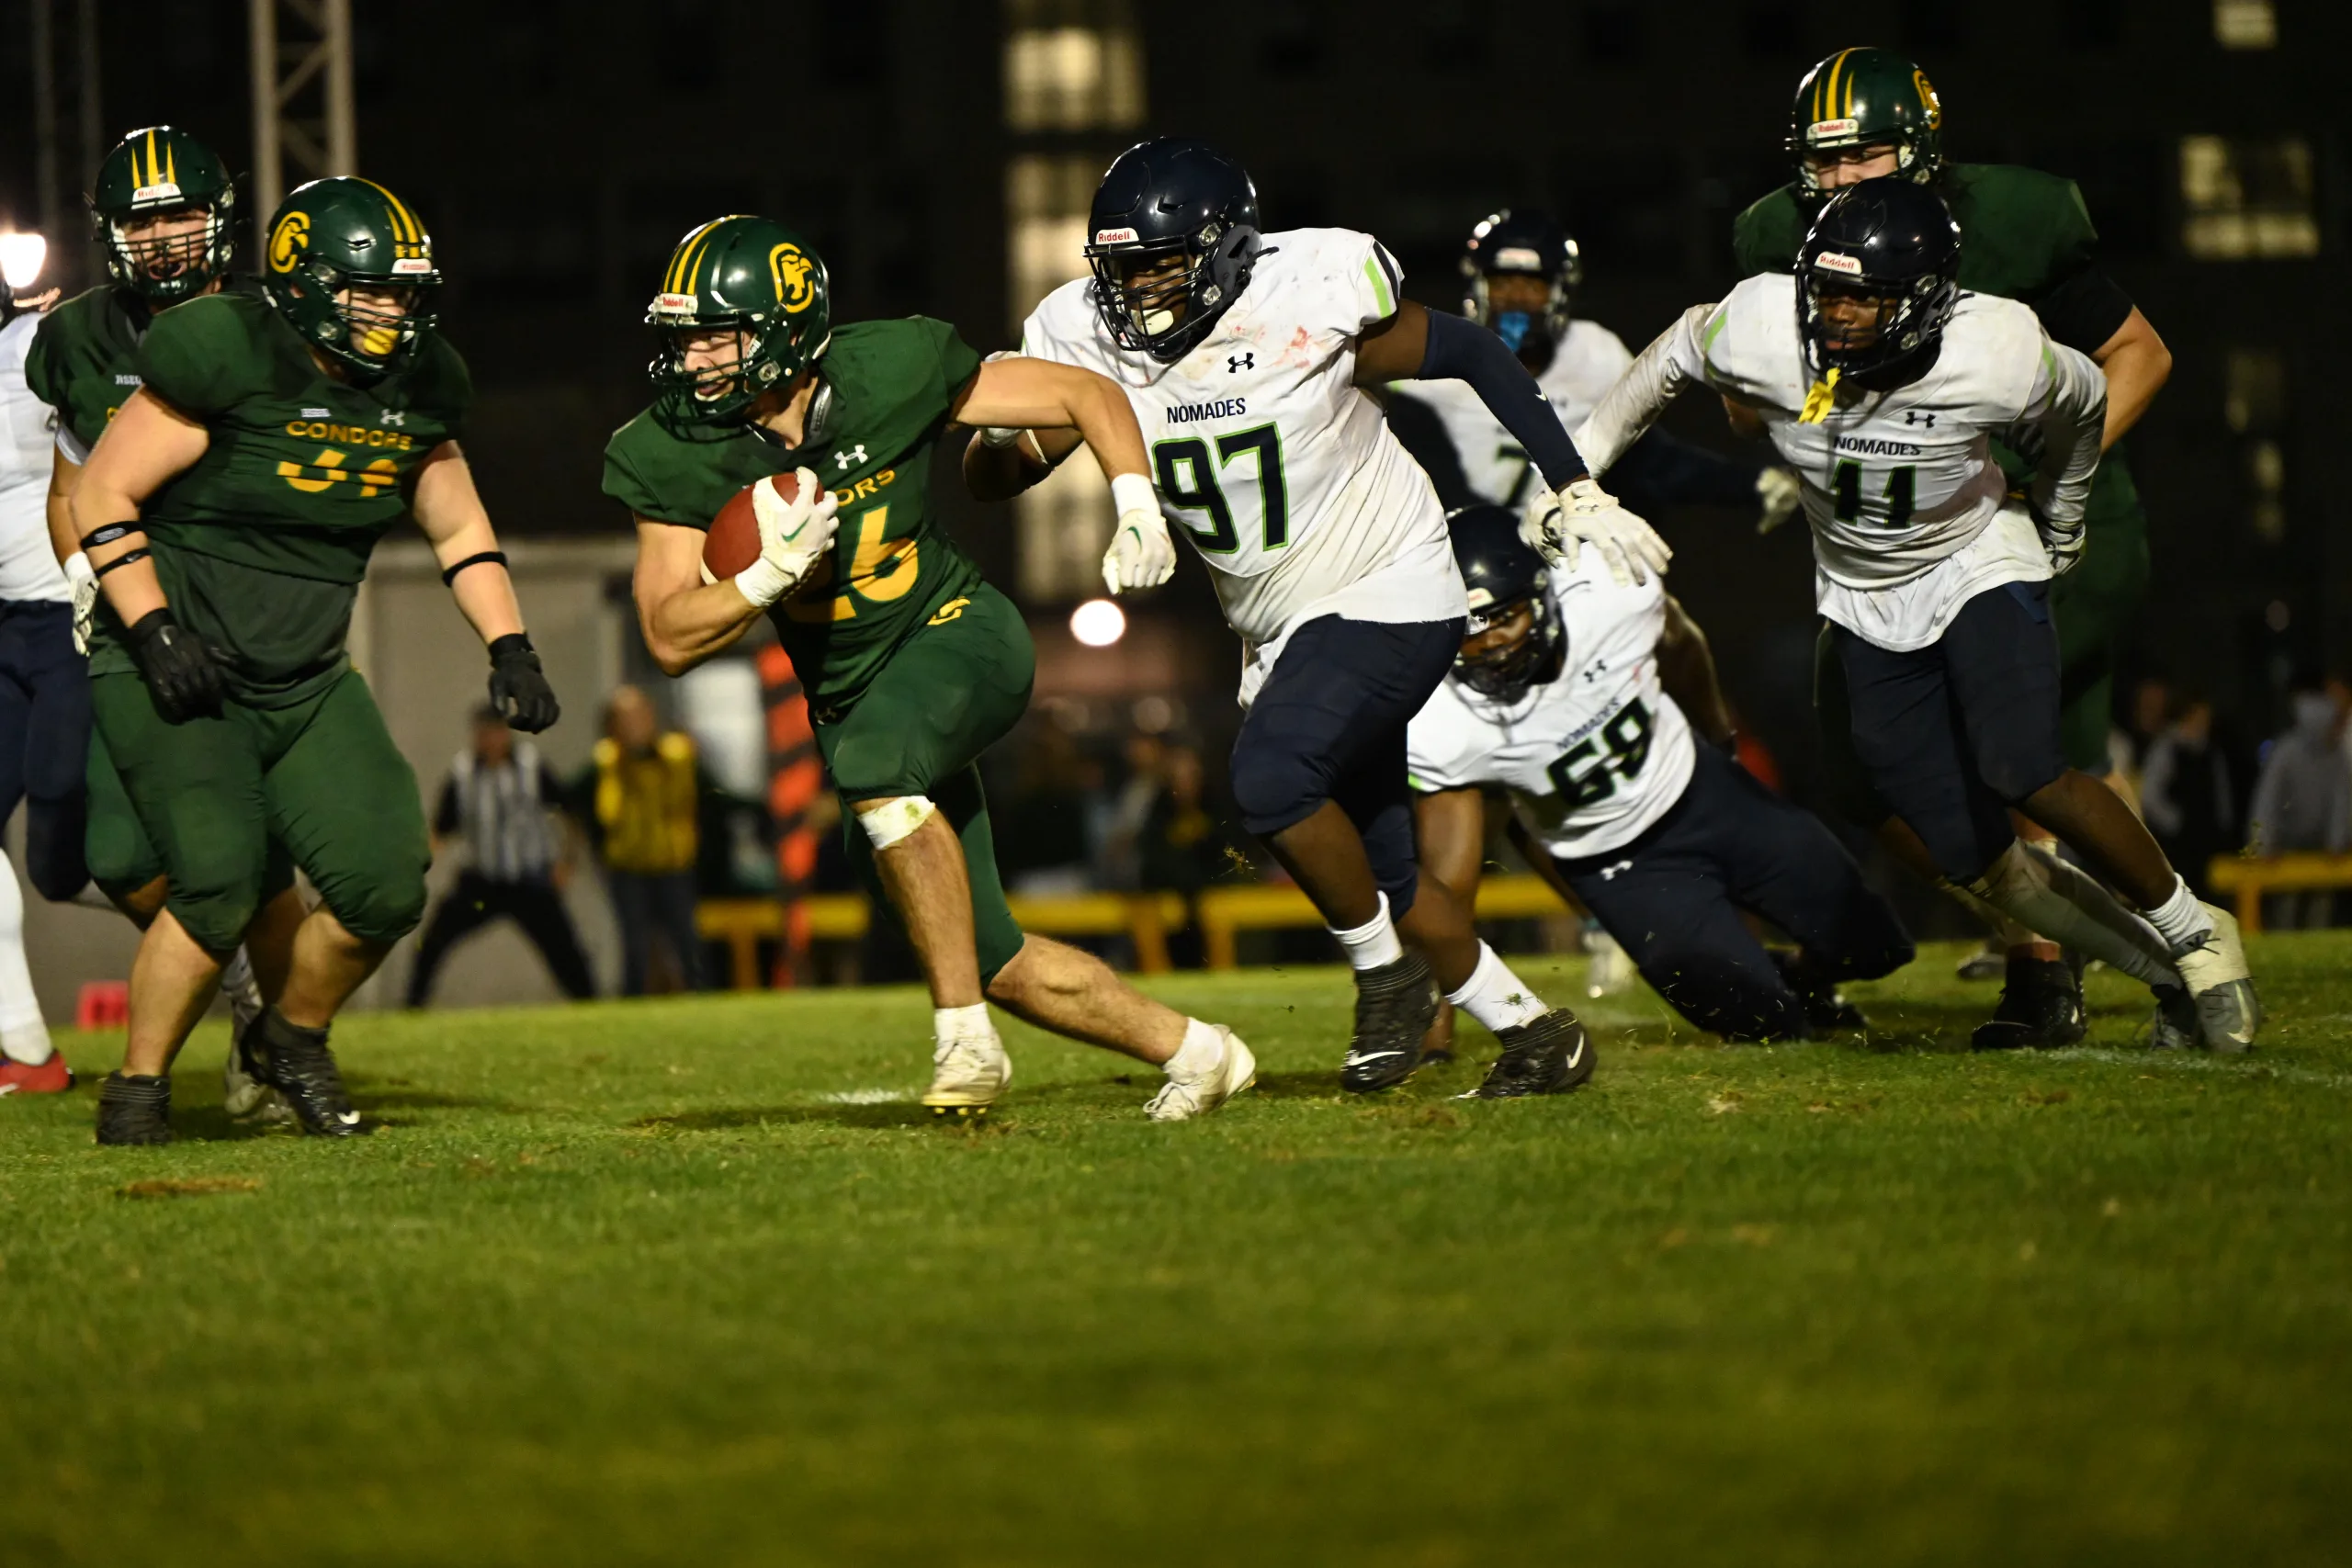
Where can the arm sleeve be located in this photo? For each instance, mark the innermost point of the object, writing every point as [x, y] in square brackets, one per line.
[1460, 349]
[1675, 359]
[2068, 409]
[1662, 468]
[1417, 426]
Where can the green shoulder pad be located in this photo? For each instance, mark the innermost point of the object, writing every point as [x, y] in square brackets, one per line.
[209, 354]
[1766, 236]
[2020, 230]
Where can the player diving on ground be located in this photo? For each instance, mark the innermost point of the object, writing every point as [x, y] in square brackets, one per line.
[1883, 384]
[1245, 356]
[1579, 695]
[229, 511]
[913, 665]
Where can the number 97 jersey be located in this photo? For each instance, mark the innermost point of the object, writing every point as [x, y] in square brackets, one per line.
[1591, 759]
[1264, 450]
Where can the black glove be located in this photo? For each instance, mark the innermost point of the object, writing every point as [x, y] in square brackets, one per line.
[181, 673]
[518, 688]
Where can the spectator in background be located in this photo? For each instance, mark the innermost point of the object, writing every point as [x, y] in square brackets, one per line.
[2185, 793]
[2302, 800]
[498, 803]
[1180, 846]
[643, 811]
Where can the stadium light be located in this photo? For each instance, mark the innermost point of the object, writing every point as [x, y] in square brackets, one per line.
[1098, 623]
[21, 257]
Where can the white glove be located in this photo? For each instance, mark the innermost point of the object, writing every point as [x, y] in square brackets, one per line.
[85, 584]
[1558, 526]
[793, 537]
[1141, 554]
[1778, 493]
[2063, 541]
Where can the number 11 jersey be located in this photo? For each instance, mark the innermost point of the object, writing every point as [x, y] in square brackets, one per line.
[1263, 449]
[1591, 759]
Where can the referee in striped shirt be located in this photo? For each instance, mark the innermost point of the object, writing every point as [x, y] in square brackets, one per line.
[499, 802]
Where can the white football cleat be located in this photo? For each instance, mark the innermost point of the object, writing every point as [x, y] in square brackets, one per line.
[241, 1094]
[2228, 1010]
[1180, 1100]
[967, 1076]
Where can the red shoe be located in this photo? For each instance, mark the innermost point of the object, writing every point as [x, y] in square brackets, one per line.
[53, 1077]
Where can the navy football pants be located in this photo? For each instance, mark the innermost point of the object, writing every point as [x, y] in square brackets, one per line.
[44, 741]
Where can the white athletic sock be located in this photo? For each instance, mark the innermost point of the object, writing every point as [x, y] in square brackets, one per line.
[1202, 1050]
[1495, 997]
[2180, 919]
[962, 1024]
[1373, 943]
[24, 1035]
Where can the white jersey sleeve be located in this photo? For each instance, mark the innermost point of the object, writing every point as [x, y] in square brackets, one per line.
[29, 569]
[1277, 467]
[1593, 757]
[2066, 418]
[1675, 360]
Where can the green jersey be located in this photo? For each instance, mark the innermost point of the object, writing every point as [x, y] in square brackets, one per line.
[890, 384]
[262, 542]
[2022, 233]
[84, 358]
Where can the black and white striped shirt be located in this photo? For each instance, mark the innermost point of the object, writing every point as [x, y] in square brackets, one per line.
[503, 813]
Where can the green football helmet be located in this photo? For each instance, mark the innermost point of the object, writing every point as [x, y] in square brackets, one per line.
[1862, 97]
[335, 234]
[158, 173]
[760, 280]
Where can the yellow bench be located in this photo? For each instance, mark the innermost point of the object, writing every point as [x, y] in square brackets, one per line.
[1226, 911]
[2251, 877]
[743, 923]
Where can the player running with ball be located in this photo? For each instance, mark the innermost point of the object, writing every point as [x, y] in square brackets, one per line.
[1884, 385]
[913, 664]
[1246, 356]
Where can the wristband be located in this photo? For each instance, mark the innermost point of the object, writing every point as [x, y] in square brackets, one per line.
[1132, 492]
[513, 642]
[141, 553]
[450, 576]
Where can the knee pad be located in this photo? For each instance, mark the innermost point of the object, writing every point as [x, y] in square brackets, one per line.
[383, 912]
[1275, 789]
[53, 847]
[894, 819]
[215, 918]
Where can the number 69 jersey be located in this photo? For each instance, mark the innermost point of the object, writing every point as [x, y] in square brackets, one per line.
[1268, 454]
[1592, 757]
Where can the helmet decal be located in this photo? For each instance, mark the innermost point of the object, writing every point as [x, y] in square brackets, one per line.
[1927, 100]
[289, 240]
[791, 268]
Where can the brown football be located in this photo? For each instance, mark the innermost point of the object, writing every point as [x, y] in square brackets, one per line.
[733, 541]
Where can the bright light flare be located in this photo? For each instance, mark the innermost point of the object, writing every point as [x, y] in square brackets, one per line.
[1098, 623]
[21, 257]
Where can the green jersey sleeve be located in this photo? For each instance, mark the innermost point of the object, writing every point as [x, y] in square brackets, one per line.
[957, 360]
[202, 357]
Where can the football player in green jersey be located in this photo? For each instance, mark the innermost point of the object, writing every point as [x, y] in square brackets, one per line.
[229, 511]
[1864, 113]
[162, 208]
[913, 664]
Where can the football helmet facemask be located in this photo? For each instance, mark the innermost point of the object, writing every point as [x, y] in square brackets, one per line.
[1526, 244]
[1171, 239]
[1877, 280]
[162, 173]
[749, 277]
[1506, 579]
[1867, 98]
[343, 236]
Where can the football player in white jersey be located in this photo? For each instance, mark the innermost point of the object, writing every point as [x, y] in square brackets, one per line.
[1520, 273]
[1246, 356]
[1879, 382]
[1576, 694]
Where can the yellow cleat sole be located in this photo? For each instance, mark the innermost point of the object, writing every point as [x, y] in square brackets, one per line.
[959, 1111]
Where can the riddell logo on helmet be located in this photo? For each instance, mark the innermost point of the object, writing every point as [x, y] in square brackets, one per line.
[673, 304]
[1829, 129]
[1830, 261]
[164, 192]
[407, 266]
[1114, 236]
[1519, 258]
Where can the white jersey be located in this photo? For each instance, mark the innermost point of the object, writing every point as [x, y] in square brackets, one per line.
[1267, 454]
[1909, 510]
[29, 569]
[1591, 759]
[1586, 361]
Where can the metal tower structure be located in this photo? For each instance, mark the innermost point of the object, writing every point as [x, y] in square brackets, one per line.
[303, 125]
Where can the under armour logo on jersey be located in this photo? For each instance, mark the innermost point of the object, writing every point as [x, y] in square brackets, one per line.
[1609, 872]
[395, 418]
[850, 458]
[1235, 364]
[1913, 416]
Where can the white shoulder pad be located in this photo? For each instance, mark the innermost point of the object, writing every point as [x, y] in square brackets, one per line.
[1062, 321]
[1992, 357]
[1330, 279]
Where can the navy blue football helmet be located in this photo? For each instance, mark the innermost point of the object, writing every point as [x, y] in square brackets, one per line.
[1504, 576]
[1887, 240]
[1171, 197]
[1530, 243]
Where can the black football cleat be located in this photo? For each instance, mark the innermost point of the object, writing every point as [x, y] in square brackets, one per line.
[2041, 1008]
[134, 1109]
[296, 1062]
[1548, 1057]
[1396, 1004]
[1826, 1010]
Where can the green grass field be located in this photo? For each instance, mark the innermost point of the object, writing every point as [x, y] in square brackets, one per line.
[697, 1282]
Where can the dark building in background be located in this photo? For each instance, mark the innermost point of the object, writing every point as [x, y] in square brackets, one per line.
[933, 152]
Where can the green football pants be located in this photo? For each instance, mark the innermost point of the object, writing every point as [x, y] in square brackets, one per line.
[321, 777]
[2092, 606]
[949, 693]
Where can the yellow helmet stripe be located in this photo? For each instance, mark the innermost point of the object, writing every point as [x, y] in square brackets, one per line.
[405, 227]
[171, 165]
[684, 260]
[151, 160]
[1829, 97]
